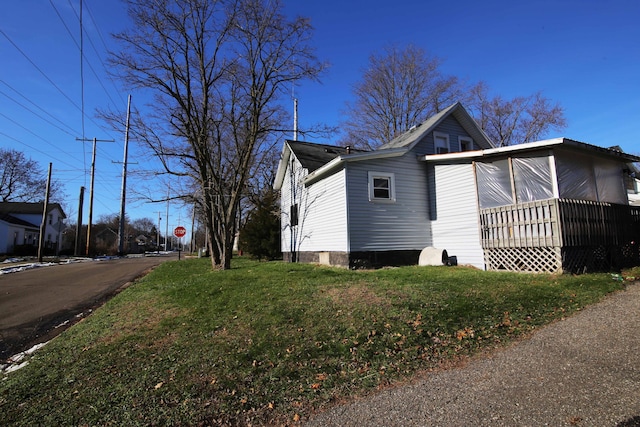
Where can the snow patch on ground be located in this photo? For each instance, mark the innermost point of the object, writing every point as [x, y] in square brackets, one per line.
[17, 361]
[23, 267]
[21, 264]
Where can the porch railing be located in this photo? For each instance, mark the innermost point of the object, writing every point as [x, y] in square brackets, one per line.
[560, 234]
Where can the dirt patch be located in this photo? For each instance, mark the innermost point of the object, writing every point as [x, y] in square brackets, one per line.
[357, 293]
[139, 317]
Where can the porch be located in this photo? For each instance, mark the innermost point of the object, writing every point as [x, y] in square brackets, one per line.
[560, 235]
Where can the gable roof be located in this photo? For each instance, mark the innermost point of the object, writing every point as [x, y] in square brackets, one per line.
[320, 159]
[410, 138]
[312, 156]
[10, 219]
[29, 208]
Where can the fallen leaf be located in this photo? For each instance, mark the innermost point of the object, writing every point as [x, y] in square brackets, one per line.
[506, 319]
[296, 418]
[160, 384]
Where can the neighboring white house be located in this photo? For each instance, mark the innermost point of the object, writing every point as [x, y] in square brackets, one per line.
[20, 226]
[439, 185]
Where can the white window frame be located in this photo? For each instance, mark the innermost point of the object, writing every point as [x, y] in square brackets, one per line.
[437, 135]
[467, 140]
[392, 187]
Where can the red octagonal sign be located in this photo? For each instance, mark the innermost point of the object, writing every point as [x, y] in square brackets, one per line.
[179, 231]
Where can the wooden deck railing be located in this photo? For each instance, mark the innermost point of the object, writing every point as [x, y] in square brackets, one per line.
[558, 235]
[532, 224]
[586, 223]
[559, 223]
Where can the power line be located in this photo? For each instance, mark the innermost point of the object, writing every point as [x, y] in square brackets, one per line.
[46, 76]
[37, 106]
[40, 70]
[81, 50]
[106, 49]
[32, 133]
[38, 115]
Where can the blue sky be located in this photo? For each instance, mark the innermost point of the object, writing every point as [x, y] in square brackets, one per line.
[584, 54]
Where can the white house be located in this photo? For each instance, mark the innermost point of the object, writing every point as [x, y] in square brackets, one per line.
[20, 226]
[443, 184]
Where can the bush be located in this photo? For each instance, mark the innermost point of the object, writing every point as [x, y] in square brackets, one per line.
[260, 236]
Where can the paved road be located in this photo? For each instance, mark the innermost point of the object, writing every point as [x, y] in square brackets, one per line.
[583, 371]
[34, 302]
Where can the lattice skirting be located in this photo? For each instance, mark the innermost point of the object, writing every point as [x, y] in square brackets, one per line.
[582, 259]
[536, 260]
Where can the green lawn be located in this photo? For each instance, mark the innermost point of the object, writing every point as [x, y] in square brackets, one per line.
[273, 342]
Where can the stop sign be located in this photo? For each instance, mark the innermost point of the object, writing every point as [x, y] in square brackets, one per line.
[179, 231]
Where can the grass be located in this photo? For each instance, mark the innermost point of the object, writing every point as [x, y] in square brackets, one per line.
[271, 343]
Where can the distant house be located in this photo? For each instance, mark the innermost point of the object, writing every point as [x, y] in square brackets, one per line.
[20, 227]
[548, 206]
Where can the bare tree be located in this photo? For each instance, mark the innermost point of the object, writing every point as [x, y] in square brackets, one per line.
[521, 119]
[302, 200]
[22, 179]
[403, 87]
[399, 88]
[217, 70]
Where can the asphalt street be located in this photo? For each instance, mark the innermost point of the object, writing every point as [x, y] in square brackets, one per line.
[39, 303]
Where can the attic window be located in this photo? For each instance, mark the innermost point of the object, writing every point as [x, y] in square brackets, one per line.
[382, 187]
[441, 142]
[466, 144]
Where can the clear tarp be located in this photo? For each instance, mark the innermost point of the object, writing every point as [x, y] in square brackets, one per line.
[575, 177]
[532, 177]
[579, 177]
[610, 182]
[494, 183]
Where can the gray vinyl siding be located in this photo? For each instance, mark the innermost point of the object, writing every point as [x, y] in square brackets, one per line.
[399, 225]
[449, 126]
[455, 213]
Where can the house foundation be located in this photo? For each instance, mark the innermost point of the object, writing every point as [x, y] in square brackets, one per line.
[356, 260]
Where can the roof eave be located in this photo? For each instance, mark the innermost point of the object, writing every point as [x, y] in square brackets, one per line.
[528, 146]
[282, 167]
[335, 163]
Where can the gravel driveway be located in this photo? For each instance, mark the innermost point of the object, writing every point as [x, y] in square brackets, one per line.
[581, 371]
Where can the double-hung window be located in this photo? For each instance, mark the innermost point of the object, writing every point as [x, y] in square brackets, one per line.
[441, 142]
[382, 187]
[466, 144]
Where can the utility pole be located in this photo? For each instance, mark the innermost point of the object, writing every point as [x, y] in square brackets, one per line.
[76, 250]
[158, 234]
[93, 172]
[166, 222]
[43, 224]
[193, 230]
[121, 236]
[295, 119]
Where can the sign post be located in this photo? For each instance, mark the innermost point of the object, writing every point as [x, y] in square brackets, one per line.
[179, 232]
